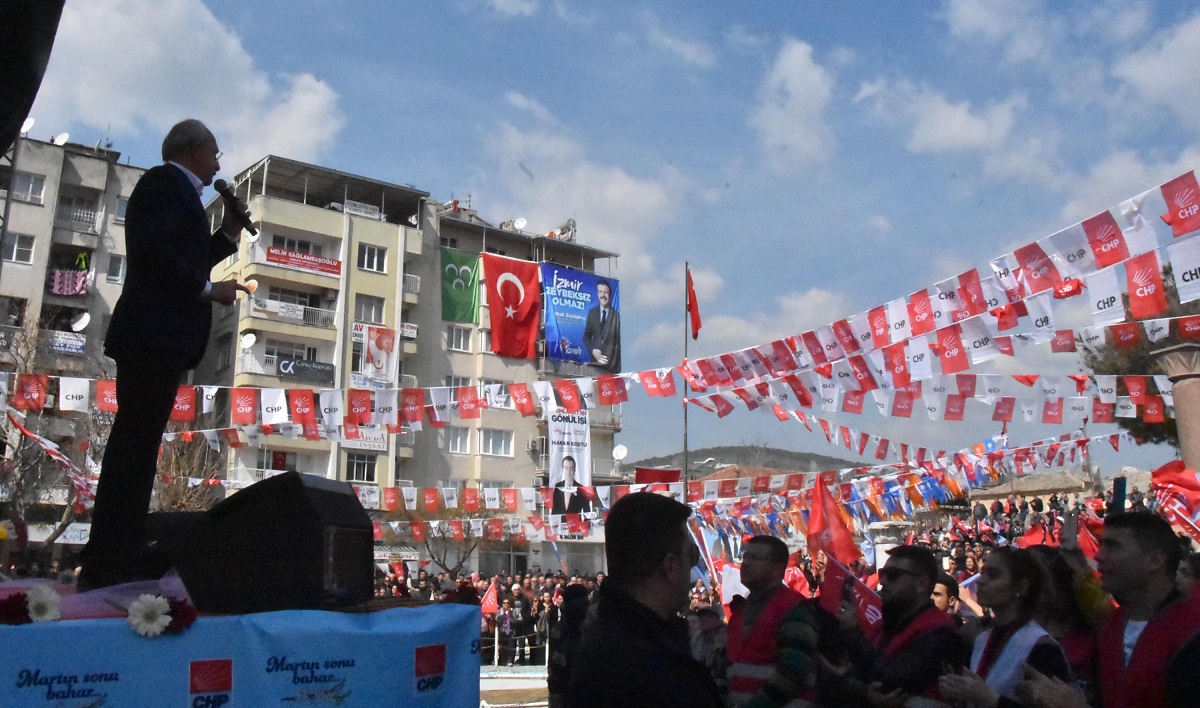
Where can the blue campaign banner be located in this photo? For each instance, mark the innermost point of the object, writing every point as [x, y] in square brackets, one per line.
[426, 656]
[582, 316]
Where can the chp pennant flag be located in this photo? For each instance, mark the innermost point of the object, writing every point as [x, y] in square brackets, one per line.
[514, 300]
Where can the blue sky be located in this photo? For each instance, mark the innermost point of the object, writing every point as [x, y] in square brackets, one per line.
[810, 160]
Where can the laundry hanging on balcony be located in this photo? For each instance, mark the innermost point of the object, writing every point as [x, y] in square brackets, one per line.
[69, 282]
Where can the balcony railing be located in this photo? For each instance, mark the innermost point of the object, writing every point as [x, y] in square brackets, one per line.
[407, 438]
[412, 283]
[77, 219]
[289, 312]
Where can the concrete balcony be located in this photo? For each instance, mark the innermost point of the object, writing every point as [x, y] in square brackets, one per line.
[290, 313]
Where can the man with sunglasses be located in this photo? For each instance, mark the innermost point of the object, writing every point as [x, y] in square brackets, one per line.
[919, 640]
[635, 650]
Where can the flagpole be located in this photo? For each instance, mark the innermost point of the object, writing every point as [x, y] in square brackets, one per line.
[686, 474]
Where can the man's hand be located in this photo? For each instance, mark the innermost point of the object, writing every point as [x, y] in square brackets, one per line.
[230, 226]
[225, 292]
[599, 356]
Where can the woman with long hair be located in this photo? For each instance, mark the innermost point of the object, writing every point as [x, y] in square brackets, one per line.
[1010, 585]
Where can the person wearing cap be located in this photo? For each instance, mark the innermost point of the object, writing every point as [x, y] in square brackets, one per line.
[635, 650]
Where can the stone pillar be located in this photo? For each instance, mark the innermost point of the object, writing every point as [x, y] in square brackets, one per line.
[1181, 364]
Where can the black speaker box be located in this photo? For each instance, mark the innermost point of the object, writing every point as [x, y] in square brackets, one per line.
[292, 541]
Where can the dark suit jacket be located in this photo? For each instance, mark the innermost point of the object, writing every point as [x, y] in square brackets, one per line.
[579, 503]
[607, 338]
[170, 253]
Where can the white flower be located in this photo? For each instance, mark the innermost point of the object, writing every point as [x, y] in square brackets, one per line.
[149, 615]
[43, 603]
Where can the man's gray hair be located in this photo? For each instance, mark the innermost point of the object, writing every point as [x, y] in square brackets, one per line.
[183, 136]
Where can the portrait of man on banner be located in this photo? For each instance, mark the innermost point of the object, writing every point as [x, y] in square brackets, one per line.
[582, 316]
[569, 437]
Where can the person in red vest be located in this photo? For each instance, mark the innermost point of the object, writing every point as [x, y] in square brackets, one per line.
[1148, 656]
[919, 643]
[772, 637]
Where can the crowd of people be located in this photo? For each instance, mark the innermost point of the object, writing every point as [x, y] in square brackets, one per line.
[964, 619]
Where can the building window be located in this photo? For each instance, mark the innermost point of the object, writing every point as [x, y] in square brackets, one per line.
[291, 297]
[356, 357]
[458, 339]
[458, 440]
[296, 245]
[496, 442]
[360, 467]
[368, 308]
[454, 382]
[28, 188]
[78, 208]
[372, 258]
[448, 242]
[503, 400]
[18, 248]
[122, 205]
[276, 349]
[497, 251]
[485, 341]
[224, 351]
[116, 269]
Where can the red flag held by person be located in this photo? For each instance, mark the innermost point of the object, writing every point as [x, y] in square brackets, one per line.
[827, 529]
[491, 600]
[693, 307]
[515, 303]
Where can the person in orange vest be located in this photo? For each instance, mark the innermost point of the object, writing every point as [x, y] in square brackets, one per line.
[1148, 651]
[772, 637]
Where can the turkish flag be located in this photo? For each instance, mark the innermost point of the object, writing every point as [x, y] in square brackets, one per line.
[612, 390]
[1105, 239]
[1183, 204]
[568, 393]
[920, 313]
[468, 402]
[1147, 296]
[514, 301]
[30, 392]
[243, 406]
[304, 408]
[358, 406]
[184, 408]
[827, 529]
[1039, 272]
[950, 350]
[693, 307]
[522, 400]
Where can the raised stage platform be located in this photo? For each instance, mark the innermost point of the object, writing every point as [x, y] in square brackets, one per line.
[426, 656]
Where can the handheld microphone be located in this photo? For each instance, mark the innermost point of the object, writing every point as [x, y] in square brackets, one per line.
[231, 202]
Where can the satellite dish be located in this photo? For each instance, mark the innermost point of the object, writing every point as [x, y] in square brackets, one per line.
[619, 452]
[27, 125]
[61, 138]
[248, 341]
[413, 219]
[519, 223]
[80, 323]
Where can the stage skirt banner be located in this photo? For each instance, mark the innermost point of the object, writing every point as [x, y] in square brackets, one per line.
[405, 656]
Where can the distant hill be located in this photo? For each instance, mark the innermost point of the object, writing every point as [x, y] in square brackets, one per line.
[749, 455]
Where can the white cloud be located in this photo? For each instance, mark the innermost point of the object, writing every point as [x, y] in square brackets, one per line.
[184, 63]
[1119, 176]
[531, 106]
[1166, 72]
[942, 126]
[789, 314]
[1018, 26]
[688, 51]
[514, 8]
[548, 177]
[790, 114]
[880, 226]
[669, 288]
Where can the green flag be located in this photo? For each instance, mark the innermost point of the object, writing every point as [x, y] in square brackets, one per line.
[460, 286]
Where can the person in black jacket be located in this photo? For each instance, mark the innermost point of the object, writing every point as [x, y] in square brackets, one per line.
[635, 649]
[159, 330]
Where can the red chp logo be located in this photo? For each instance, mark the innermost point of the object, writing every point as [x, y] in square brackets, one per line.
[429, 667]
[214, 679]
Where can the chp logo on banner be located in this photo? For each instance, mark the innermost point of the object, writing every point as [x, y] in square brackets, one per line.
[244, 410]
[184, 408]
[1182, 196]
[211, 678]
[1147, 296]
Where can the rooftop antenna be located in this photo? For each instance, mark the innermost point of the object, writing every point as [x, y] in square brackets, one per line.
[27, 125]
[61, 139]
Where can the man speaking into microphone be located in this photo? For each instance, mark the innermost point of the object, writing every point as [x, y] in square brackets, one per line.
[159, 331]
